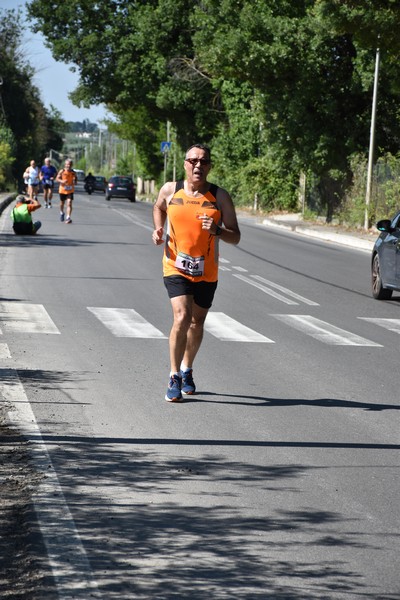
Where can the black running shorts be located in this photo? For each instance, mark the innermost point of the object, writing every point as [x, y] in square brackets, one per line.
[202, 291]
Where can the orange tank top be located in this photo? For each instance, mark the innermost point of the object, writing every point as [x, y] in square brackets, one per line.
[190, 250]
[68, 177]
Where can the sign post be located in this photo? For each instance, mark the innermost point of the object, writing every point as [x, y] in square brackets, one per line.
[165, 148]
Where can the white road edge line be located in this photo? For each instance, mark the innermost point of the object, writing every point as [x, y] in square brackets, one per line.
[67, 557]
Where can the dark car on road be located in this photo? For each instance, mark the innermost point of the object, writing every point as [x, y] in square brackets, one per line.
[95, 183]
[385, 265]
[100, 183]
[120, 186]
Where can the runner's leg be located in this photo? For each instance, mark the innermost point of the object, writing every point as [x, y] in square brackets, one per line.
[182, 308]
[194, 334]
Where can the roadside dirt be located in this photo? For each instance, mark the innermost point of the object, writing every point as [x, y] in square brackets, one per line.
[22, 576]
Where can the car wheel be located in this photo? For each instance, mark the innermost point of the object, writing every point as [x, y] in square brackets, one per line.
[132, 199]
[108, 197]
[378, 291]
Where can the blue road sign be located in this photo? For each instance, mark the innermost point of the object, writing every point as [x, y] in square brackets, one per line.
[165, 147]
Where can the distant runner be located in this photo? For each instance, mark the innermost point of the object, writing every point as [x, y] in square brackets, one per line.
[47, 176]
[67, 179]
[31, 178]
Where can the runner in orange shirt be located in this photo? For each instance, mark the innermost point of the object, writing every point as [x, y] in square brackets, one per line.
[199, 214]
[67, 179]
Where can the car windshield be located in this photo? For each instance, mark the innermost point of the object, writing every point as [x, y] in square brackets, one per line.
[123, 181]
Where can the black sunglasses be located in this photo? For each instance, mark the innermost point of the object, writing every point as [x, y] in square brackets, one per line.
[202, 161]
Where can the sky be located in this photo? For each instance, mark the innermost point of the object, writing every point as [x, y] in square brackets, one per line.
[54, 79]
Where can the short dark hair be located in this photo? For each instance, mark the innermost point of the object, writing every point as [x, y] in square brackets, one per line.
[201, 147]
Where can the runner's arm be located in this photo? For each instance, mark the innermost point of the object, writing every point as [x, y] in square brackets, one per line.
[230, 232]
[160, 212]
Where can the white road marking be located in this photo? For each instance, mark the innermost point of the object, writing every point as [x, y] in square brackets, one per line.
[222, 268]
[228, 330]
[390, 324]
[26, 318]
[67, 556]
[286, 291]
[4, 351]
[240, 269]
[266, 290]
[134, 219]
[223, 260]
[324, 332]
[126, 322]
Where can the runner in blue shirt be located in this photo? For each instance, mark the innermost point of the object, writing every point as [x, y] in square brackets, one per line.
[47, 175]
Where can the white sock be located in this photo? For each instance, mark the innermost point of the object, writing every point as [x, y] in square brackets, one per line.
[174, 373]
[185, 368]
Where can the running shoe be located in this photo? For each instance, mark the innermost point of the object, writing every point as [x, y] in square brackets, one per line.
[174, 389]
[188, 386]
[61, 216]
[68, 220]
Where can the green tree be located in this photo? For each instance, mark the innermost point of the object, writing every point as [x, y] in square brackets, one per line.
[138, 59]
[7, 147]
[217, 69]
[310, 75]
[24, 114]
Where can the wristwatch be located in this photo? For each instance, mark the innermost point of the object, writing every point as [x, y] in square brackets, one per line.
[218, 231]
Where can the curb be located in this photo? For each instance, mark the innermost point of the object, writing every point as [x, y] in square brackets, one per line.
[5, 200]
[329, 236]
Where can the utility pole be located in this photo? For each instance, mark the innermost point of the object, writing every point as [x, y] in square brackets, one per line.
[166, 152]
[372, 141]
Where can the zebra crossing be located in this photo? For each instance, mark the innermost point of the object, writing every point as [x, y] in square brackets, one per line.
[19, 317]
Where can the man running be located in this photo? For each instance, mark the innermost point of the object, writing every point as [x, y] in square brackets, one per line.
[47, 175]
[67, 179]
[196, 211]
[31, 177]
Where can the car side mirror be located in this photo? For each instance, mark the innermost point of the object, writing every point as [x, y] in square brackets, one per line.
[384, 225]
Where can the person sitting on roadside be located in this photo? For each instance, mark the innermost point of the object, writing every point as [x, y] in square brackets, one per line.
[22, 216]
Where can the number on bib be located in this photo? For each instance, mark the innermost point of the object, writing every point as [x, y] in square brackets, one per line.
[192, 265]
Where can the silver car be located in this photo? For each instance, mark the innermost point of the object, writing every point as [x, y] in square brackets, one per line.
[385, 264]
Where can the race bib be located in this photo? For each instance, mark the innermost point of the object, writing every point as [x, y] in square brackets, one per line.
[192, 265]
[67, 188]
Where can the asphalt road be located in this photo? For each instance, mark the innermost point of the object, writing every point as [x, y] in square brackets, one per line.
[278, 480]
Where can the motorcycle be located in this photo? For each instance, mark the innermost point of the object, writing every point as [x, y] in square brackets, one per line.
[89, 187]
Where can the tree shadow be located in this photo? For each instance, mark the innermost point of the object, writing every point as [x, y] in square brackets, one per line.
[159, 525]
[175, 518]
